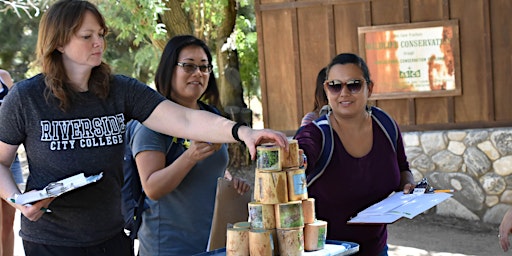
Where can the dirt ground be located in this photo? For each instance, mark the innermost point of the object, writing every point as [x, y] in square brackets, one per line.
[432, 235]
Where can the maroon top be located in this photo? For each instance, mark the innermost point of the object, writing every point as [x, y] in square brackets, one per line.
[349, 185]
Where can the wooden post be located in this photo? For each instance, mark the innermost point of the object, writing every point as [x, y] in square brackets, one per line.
[291, 241]
[289, 215]
[261, 216]
[308, 209]
[237, 242]
[297, 184]
[270, 187]
[260, 242]
[315, 235]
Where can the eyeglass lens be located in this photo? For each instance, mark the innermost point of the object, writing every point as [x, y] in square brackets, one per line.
[353, 86]
[191, 68]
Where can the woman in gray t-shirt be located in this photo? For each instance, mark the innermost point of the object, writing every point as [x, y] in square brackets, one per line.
[182, 189]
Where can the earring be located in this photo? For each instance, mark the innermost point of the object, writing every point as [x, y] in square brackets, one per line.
[369, 110]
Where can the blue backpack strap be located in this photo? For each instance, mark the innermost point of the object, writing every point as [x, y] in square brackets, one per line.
[209, 108]
[384, 120]
[327, 148]
[387, 124]
[137, 192]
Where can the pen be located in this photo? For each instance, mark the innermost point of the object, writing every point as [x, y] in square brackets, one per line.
[444, 191]
[45, 209]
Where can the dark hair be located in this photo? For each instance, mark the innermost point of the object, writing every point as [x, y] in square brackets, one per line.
[350, 58]
[57, 26]
[320, 96]
[164, 74]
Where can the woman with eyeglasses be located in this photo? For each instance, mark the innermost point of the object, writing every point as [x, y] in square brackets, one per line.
[364, 167]
[181, 189]
[71, 119]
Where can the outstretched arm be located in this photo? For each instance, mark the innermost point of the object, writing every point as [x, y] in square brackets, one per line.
[174, 120]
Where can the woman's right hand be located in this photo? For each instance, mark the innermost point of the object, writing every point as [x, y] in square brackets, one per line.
[35, 211]
[253, 137]
[200, 150]
[505, 229]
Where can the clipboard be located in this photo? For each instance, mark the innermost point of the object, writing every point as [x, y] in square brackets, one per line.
[54, 189]
[398, 205]
[230, 207]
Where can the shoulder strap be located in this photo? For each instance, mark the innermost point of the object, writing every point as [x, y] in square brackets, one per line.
[323, 124]
[385, 122]
[3, 90]
[209, 108]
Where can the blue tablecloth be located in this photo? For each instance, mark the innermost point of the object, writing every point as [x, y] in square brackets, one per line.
[332, 248]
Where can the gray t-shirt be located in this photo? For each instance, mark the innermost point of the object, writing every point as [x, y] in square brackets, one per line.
[88, 138]
[179, 222]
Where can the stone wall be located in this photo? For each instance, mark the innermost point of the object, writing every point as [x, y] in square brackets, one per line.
[476, 164]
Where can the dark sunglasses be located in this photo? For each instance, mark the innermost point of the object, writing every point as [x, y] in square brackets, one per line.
[353, 86]
[191, 68]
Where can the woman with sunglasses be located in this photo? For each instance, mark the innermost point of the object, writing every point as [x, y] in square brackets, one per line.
[181, 189]
[364, 167]
[71, 119]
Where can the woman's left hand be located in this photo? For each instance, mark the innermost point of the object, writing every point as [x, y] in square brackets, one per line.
[241, 185]
[407, 182]
[408, 188]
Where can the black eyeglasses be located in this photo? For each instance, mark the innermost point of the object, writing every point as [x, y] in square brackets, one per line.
[191, 68]
[353, 86]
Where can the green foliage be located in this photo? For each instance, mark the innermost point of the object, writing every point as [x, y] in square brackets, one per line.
[247, 46]
[133, 25]
[19, 37]
[206, 16]
[135, 20]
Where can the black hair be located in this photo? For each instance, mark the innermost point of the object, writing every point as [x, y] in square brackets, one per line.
[350, 58]
[169, 60]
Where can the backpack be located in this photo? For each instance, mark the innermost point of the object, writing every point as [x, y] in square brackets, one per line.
[133, 196]
[385, 122]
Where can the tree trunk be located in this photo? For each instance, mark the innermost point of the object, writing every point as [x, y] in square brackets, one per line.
[176, 21]
[230, 84]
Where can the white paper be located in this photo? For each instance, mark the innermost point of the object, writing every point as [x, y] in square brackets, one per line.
[399, 205]
[55, 189]
[333, 250]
